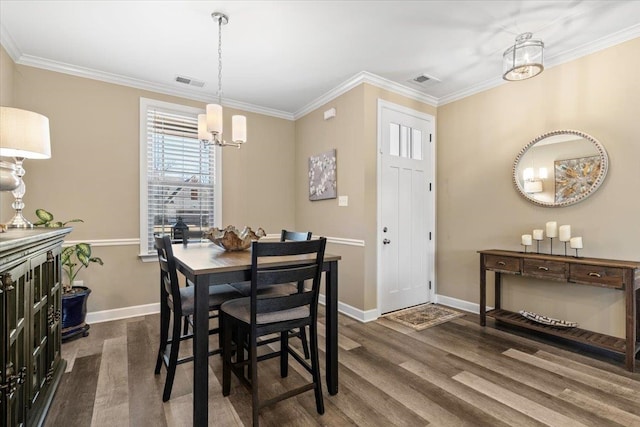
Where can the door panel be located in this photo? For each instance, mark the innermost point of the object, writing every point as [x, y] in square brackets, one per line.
[405, 211]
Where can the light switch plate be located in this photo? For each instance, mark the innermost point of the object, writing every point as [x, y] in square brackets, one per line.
[343, 201]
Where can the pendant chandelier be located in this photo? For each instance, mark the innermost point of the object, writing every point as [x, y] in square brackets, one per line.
[210, 124]
[524, 59]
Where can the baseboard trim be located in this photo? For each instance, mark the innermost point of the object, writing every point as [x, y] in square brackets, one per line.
[463, 305]
[363, 316]
[122, 313]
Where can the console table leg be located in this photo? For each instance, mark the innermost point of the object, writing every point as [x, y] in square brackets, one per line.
[483, 292]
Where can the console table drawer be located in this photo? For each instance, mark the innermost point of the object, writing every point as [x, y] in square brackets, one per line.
[545, 269]
[610, 277]
[502, 263]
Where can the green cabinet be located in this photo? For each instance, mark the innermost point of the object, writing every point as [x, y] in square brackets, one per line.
[30, 323]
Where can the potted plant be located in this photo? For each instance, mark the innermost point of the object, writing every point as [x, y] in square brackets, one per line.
[74, 298]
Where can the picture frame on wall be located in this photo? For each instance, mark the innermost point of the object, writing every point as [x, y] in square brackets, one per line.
[575, 176]
[322, 176]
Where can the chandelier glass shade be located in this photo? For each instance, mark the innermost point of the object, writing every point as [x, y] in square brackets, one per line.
[210, 125]
[524, 59]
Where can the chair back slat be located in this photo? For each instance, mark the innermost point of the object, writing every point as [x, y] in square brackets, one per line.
[294, 235]
[293, 269]
[168, 273]
[287, 275]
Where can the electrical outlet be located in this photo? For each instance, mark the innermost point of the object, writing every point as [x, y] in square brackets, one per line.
[343, 201]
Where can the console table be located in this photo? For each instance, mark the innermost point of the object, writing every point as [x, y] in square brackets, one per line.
[620, 275]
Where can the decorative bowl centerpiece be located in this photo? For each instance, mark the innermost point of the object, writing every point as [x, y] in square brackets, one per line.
[230, 239]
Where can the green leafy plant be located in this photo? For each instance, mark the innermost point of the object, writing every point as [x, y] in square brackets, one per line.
[73, 258]
[45, 219]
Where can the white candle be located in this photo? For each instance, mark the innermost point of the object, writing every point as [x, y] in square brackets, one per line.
[552, 229]
[576, 242]
[564, 233]
[538, 234]
[526, 240]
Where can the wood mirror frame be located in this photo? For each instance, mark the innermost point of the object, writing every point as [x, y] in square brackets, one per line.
[566, 174]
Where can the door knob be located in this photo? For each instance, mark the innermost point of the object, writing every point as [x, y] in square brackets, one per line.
[386, 241]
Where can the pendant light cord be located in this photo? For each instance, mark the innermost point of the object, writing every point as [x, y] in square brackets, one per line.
[220, 61]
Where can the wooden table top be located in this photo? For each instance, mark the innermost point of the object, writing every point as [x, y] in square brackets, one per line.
[207, 258]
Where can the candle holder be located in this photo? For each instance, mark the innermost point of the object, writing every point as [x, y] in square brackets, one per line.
[525, 248]
[577, 253]
[565, 248]
[537, 246]
[551, 246]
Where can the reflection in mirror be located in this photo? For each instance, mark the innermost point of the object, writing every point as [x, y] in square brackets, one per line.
[560, 168]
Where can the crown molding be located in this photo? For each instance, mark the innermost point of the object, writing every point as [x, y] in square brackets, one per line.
[372, 79]
[89, 73]
[362, 77]
[9, 44]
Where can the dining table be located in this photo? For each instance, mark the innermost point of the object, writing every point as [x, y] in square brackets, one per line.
[206, 264]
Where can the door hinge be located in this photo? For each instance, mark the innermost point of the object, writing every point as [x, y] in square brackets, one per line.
[429, 284]
[429, 186]
[429, 235]
[430, 135]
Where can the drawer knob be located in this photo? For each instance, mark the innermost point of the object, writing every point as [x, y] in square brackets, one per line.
[543, 268]
[501, 263]
[595, 274]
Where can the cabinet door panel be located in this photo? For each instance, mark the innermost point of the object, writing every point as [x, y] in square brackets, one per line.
[16, 356]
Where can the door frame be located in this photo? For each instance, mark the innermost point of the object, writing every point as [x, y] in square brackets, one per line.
[431, 198]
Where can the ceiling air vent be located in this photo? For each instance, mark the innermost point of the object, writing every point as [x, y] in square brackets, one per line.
[189, 81]
[424, 78]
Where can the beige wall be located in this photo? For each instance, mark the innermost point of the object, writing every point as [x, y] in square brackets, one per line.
[353, 133]
[478, 208]
[6, 78]
[93, 174]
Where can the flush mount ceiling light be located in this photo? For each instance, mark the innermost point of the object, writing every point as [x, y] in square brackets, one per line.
[524, 59]
[210, 124]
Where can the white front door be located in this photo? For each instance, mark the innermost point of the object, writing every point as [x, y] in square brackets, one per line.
[406, 207]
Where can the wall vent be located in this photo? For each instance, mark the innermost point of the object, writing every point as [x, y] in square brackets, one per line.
[189, 81]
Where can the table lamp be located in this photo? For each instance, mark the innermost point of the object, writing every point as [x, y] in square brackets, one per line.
[23, 135]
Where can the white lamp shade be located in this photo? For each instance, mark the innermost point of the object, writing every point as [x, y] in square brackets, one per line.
[214, 118]
[24, 134]
[527, 174]
[533, 186]
[542, 173]
[239, 128]
[202, 127]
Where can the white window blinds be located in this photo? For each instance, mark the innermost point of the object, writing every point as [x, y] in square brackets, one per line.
[180, 175]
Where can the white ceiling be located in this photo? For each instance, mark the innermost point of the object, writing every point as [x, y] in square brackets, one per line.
[282, 57]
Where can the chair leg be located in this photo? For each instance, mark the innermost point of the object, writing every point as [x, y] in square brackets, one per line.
[227, 333]
[255, 401]
[315, 367]
[173, 358]
[284, 354]
[185, 331]
[164, 336]
[303, 338]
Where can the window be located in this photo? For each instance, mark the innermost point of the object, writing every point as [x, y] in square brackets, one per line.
[179, 177]
[405, 142]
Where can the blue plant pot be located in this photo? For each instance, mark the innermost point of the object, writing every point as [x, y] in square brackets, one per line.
[74, 312]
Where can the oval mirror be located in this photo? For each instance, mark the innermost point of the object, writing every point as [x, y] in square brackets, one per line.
[560, 168]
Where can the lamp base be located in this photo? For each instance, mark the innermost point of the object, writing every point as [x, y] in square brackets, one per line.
[19, 221]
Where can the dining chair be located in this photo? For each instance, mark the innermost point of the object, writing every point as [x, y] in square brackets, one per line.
[245, 288]
[247, 319]
[179, 301]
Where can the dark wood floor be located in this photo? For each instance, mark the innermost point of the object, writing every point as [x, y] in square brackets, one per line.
[453, 374]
